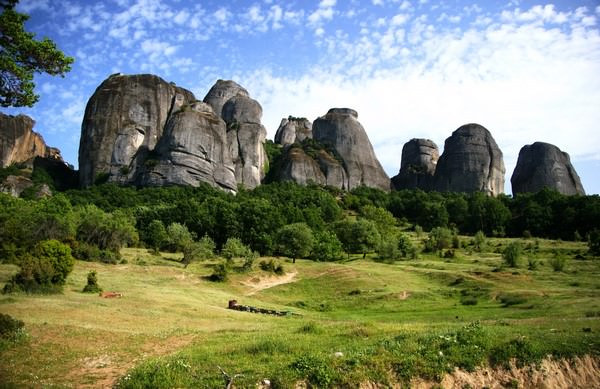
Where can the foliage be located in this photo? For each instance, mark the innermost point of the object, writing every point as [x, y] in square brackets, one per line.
[88, 252]
[272, 266]
[92, 283]
[326, 247]
[360, 236]
[180, 237]
[512, 253]
[316, 370]
[439, 238]
[396, 246]
[234, 248]
[220, 273]
[294, 240]
[155, 235]
[45, 271]
[203, 249]
[9, 326]
[22, 56]
[108, 231]
[479, 242]
[558, 262]
[594, 242]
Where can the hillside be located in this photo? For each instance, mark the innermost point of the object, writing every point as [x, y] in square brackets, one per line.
[391, 321]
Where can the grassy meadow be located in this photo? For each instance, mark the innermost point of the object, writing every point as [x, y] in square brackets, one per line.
[351, 322]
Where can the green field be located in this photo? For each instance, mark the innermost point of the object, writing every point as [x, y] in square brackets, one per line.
[388, 322]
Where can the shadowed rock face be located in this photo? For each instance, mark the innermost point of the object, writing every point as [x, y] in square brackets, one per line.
[292, 131]
[471, 162]
[340, 130]
[19, 143]
[125, 115]
[245, 133]
[417, 169]
[192, 150]
[542, 165]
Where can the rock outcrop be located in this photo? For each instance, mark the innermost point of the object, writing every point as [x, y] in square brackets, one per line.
[245, 133]
[192, 150]
[340, 131]
[471, 162]
[19, 143]
[417, 168]
[542, 165]
[124, 119]
[293, 130]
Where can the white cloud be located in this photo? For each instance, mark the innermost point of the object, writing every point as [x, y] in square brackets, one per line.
[324, 12]
[181, 17]
[399, 19]
[28, 6]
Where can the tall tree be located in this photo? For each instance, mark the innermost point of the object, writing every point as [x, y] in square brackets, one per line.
[21, 56]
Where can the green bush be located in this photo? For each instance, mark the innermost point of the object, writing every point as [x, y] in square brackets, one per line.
[509, 299]
[234, 248]
[512, 253]
[439, 238]
[594, 242]
[45, 271]
[91, 253]
[92, 283]
[479, 241]
[315, 370]
[9, 326]
[520, 349]
[272, 266]
[220, 273]
[558, 263]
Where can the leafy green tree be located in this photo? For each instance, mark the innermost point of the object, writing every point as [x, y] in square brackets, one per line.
[156, 235]
[21, 56]
[326, 247]
[479, 241]
[203, 249]
[439, 238]
[92, 283]
[295, 240]
[108, 231]
[179, 236]
[234, 248]
[360, 236]
[384, 219]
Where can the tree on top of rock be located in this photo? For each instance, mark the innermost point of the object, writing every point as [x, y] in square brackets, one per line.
[21, 56]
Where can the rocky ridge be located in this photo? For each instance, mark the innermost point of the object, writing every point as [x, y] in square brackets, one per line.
[418, 164]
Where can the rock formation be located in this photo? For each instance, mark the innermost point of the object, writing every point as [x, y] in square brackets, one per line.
[245, 133]
[544, 165]
[19, 143]
[293, 130]
[417, 168]
[340, 130]
[193, 149]
[124, 118]
[471, 162]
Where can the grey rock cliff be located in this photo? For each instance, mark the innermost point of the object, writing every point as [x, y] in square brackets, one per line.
[471, 162]
[125, 115]
[19, 143]
[417, 168]
[192, 150]
[340, 130]
[245, 133]
[293, 130]
[544, 165]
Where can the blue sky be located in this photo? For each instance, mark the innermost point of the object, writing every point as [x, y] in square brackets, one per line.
[526, 70]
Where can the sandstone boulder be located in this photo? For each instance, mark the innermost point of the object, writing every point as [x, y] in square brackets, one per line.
[192, 150]
[543, 165]
[417, 168]
[293, 130]
[125, 114]
[471, 162]
[19, 143]
[340, 130]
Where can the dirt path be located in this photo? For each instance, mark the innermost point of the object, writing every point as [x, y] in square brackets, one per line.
[257, 284]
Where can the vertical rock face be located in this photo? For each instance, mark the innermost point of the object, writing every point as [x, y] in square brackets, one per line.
[300, 168]
[544, 165]
[192, 150]
[471, 162]
[340, 130]
[19, 143]
[126, 114]
[245, 133]
[417, 169]
[293, 130]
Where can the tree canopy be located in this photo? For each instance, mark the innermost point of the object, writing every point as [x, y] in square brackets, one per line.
[21, 55]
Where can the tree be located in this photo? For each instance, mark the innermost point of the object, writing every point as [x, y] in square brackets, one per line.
[234, 248]
[294, 240]
[512, 253]
[204, 249]
[594, 242]
[156, 235]
[21, 56]
[360, 236]
[326, 247]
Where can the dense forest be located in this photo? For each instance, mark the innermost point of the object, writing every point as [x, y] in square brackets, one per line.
[274, 219]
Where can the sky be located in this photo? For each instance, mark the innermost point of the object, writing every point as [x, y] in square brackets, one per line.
[526, 70]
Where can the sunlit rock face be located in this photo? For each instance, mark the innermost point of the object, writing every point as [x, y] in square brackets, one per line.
[124, 119]
[417, 168]
[543, 165]
[340, 131]
[293, 130]
[471, 162]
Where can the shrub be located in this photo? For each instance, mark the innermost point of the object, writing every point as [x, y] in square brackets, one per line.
[234, 248]
[9, 326]
[520, 349]
[91, 253]
[272, 267]
[509, 299]
[512, 253]
[249, 260]
[45, 271]
[439, 238]
[532, 263]
[479, 241]
[317, 371]
[92, 283]
[558, 263]
[594, 242]
[220, 273]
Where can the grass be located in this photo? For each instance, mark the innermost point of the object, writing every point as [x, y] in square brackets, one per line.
[355, 321]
